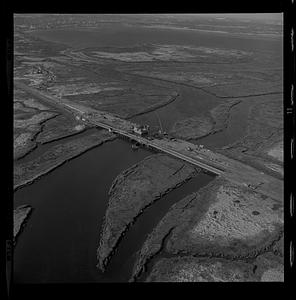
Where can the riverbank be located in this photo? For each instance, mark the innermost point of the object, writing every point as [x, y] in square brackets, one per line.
[26, 131]
[223, 220]
[37, 123]
[62, 237]
[133, 191]
[60, 127]
[20, 216]
[28, 172]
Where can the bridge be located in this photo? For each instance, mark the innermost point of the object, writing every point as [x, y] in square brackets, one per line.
[216, 163]
[150, 143]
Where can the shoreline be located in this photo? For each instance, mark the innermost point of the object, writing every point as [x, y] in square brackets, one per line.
[19, 221]
[53, 141]
[105, 250]
[58, 164]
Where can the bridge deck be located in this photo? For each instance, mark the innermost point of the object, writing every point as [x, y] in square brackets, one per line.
[216, 163]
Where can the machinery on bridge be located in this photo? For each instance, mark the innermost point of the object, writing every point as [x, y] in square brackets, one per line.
[141, 130]
[161, 132]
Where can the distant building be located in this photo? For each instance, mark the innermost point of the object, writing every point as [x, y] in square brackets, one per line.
[142, 129]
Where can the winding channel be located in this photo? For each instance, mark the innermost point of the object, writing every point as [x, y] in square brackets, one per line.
[60, 240]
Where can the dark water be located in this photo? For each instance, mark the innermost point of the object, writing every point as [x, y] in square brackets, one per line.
[119, 35]
[60, 240]
[61, 237]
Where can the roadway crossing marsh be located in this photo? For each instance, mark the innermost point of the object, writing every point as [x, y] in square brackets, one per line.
[157, 143]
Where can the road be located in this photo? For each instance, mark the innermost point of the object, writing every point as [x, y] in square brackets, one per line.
[161, 148]
[216, 163]
[47, 99]
[55, 101]
[149, 143]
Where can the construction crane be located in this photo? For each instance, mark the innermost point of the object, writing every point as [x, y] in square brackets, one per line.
[161, 129]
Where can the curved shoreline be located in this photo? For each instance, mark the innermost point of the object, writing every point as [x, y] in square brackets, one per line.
[128, 211]
[51, 143]
[58, 164]
[28, 211]
[102, 265]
